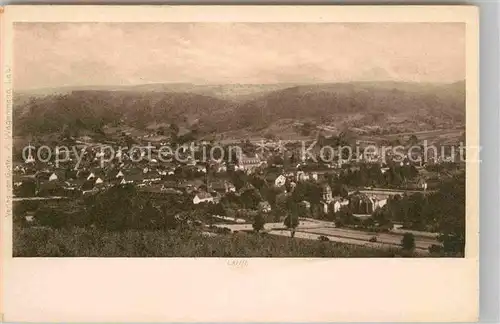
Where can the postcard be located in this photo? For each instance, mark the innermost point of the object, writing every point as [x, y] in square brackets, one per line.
[240, 163]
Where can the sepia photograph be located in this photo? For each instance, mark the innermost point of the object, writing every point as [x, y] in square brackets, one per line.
[238, 140]
[240, 164]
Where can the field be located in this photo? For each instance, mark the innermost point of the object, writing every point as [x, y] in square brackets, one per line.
[47, 242]
[313, 229]
[440, 136]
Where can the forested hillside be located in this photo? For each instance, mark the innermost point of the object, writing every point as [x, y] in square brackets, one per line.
[224, 108]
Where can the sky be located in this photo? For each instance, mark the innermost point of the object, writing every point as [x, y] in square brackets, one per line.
[78, 54]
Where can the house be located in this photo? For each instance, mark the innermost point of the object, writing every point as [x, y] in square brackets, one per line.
[325, 207]
[88, 192]
[280, 181]
[339, 203]
[53, 177]
[151, 177]
[379, 203]
[168, 190]
[201, 168]
[19, 168]
[302, 176]
[306, 204]
[247, 163]
[191, 161]
[229, 187]
[221, 167]
[30, 216]
[202, 197]
[327, 193]
[91, 176]
[265, 206]
[72, 185]
[99, 155]
[134, 175]
[422, 184]
[335, 204]
[125, 181]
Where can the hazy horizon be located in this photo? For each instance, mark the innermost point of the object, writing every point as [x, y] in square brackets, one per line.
[59, 55]
[232, 84]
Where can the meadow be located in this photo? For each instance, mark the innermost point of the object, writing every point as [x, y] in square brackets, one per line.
[93, 242]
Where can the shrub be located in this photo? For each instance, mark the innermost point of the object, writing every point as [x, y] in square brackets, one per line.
[435, 249]
[96, 242]
[258, 222]
[408, 242]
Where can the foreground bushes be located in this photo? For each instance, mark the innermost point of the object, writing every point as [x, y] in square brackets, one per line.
[93, 242]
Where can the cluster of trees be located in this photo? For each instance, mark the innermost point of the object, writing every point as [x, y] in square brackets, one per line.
[119, 208]
[26, 189]
[320, 102]
[442, 212]
[90, 110]
[371, 175]
[442, 167]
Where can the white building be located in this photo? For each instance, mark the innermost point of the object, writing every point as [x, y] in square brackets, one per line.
[125, 181]
[229, 187]
[379, 203]
[339, 203]
[302, 176]
[202, 197]
[248, 163]
[280, 181]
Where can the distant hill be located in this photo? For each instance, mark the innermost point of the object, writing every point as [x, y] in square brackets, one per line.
[235, 92]
[326, 102]
[93, 109]
[220, 108]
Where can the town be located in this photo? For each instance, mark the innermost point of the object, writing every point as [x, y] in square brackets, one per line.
[268, 186]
